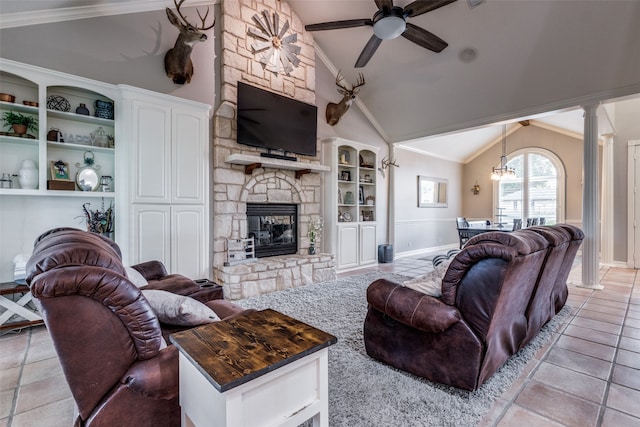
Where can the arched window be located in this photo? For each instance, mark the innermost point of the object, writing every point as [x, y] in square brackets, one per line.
[537, 190]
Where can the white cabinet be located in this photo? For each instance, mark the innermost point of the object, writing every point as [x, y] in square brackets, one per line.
[368, 244]
[349, 200]
[347, 248]
[154, 146]
[170, 193]
[174, 234]
[79, 131]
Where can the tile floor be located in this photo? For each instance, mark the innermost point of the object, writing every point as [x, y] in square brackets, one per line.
[587, 375]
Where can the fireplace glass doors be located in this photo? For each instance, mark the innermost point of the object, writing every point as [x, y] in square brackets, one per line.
[273, 228]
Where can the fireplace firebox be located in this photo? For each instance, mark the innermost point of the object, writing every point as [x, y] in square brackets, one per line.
[273, 227]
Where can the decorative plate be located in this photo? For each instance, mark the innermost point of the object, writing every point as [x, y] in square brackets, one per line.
[57, 102]
[347, 216]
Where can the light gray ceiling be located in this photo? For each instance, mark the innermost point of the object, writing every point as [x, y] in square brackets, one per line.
[535, 59]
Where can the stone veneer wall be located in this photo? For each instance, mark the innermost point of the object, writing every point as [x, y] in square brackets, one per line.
[232, 188]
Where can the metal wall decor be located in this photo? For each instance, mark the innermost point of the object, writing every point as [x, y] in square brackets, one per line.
[277, 51]
[87, 178]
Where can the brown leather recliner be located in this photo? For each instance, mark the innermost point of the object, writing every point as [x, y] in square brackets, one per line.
[108, 340]
[561, 292]
[545, 296]
[462, 338]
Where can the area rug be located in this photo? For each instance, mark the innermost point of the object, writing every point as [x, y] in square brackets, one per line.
[365, 392]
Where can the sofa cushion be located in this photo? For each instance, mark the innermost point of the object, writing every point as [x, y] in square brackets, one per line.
[135, 277]
[179, 310]
[431, 282]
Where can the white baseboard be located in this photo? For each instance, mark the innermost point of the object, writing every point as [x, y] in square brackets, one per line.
[615, 264]
[423, 251]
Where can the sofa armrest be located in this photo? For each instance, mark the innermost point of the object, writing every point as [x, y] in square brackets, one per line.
[157, 377]
[411, 307]
[151, 270]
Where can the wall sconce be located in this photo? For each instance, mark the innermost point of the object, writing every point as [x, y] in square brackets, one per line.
[475, 189]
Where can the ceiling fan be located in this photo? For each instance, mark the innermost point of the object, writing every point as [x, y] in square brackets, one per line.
[390, 22]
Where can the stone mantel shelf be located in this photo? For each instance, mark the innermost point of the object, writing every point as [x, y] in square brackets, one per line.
[252, 163]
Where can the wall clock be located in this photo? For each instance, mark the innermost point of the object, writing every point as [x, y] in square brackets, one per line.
[276, 52]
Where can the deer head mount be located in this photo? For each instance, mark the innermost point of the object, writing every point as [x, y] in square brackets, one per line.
[385, 163]
[335, 111]
[177, 61]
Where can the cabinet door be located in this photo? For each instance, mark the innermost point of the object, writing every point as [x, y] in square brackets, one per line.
[152, 236]
[151, 166]
[347, 246]
[189, 156]
[189, 241]
[368, 247]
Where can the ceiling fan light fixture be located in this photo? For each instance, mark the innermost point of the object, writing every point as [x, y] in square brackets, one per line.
[390, 25]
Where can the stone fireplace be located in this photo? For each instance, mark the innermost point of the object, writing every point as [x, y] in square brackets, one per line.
[273, 228]
[268, 274]
[235, 185]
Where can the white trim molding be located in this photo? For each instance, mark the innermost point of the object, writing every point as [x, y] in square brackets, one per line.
[60, 14]
[633, 194]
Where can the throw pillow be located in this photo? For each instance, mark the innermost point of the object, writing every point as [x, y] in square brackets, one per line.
[430, 283]
[135, 277]
[174, 309]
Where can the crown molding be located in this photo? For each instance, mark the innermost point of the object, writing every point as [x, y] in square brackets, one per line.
[46, 16]
[399, 146]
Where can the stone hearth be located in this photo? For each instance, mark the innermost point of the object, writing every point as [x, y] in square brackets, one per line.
[275, 274]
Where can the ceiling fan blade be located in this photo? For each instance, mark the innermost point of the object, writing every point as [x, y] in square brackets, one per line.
[423, 6]
[335, 25]
[388, 4]
[424, 38]
[368, 51]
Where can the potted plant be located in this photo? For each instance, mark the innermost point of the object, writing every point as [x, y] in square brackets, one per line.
[315, 229]
[19, 122]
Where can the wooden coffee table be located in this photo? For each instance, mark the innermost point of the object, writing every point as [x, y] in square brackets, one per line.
[259, 369]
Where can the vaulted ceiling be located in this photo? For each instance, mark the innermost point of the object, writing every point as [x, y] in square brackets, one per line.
[505, 61]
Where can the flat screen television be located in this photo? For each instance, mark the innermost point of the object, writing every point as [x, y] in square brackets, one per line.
[275, 122]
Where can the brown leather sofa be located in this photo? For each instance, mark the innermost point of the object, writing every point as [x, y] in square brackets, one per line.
[496, 295]
[108, 339]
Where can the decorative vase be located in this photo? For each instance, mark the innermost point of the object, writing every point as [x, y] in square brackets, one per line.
[82, 109]
[312, 249]
[28, 175]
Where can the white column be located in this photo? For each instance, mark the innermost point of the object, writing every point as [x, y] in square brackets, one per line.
[590, 196]
[391, 208]
[606, 228]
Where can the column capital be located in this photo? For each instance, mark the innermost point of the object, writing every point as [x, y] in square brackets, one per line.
[590, 107]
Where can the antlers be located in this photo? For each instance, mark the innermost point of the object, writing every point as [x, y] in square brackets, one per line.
[335, 111]
[343, 90]
[177, 61]
[184, 18]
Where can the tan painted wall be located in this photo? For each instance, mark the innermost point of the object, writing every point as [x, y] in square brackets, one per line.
[568, 149]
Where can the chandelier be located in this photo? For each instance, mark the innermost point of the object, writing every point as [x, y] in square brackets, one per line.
[503, 171]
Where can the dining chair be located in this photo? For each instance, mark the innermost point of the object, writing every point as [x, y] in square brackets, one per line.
[464, 236]
[517, 224]
[462, 222]
[529, 222]
[542, 220]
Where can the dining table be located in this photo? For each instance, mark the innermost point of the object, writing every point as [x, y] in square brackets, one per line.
[474, 229]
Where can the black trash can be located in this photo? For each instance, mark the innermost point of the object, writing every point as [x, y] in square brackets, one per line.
[385, 253]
